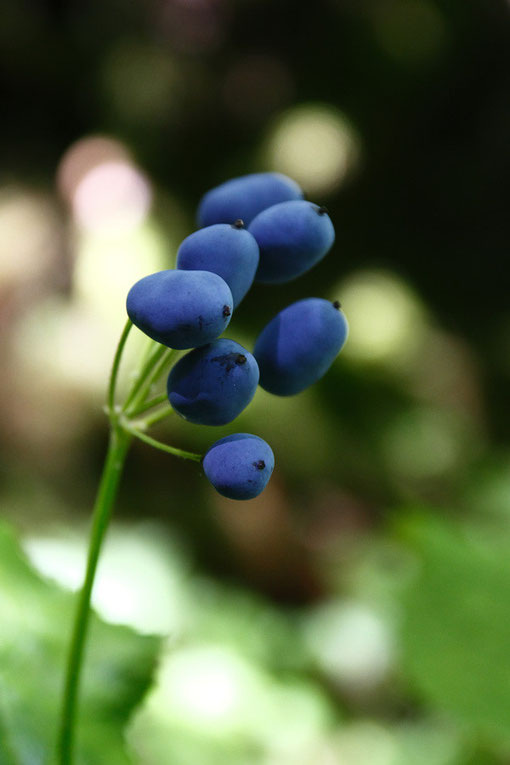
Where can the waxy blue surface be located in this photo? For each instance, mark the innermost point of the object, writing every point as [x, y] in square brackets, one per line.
[227, 250]
[299, 345]
[292, 237]
[239, 466]
[213, 384]
[245, 197]
[181, 309]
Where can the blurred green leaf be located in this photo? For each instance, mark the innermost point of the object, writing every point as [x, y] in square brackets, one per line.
[456, 633]
[238, 688]
[243, 620]
[36, 622]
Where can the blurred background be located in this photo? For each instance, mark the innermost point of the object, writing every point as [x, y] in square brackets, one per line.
[358, 611]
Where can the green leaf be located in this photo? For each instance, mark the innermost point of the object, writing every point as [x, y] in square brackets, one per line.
[456, 637]
[36, 618]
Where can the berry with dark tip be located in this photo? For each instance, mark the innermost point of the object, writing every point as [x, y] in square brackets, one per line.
[239, 466]
[292, 237]
[181, 309]
[227, 250]
[299, 345]
[245, 197]
[213, 384]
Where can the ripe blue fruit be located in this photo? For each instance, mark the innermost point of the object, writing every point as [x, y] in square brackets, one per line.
[213, 384]
[226, 249]
[239, 466]
[245, 197]
[299, 345]
[180, 309]
[292, 237]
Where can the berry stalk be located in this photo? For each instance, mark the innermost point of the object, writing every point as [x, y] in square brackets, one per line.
[122, 433]
[114, 463]
[115, 368]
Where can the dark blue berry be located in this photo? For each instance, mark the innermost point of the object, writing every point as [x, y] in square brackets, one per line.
[180, 309]
[292, 238]
[299, 345]
[213, 384]
[239, 466]
[226, 249]
[244, 197]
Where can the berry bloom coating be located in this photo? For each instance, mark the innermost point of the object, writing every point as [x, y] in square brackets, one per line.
[299, 345]
[245, 197]
[226, 249]
[181, 309]
[213, 384]
[292, 237]
[239, 466]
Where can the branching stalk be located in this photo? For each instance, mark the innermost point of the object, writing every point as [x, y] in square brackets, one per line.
[122, 431]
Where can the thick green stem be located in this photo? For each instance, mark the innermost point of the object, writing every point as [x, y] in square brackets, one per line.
[121, 434]
[114, 463]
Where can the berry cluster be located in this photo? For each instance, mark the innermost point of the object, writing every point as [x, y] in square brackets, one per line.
[253, 228]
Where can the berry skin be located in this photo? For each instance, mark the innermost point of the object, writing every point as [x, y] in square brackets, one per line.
[226, 249]
[245, 197]
[292, 237]
[213, 384]
[180, 309]
[239, 466]
[299, 345]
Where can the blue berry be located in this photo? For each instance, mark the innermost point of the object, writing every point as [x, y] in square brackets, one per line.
[245, 197]
[226, 249]
[180, 309]
[299, 345]
[239, 466]
[213, 384]
[292, 237]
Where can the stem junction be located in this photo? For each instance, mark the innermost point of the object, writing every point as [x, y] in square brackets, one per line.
[126, 423]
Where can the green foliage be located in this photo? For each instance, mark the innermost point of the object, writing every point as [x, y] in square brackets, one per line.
[36, 620]
[235, 689]
[250, 624]
[457, 626]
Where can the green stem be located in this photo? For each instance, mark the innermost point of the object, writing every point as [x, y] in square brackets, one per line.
[116, 364]
[152, 375]
[163, 447]
[117, 450]
[161, 414]
[150, 404]
[142, 375]
[121, 434]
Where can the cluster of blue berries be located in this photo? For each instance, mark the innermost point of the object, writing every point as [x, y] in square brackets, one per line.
[254, 228]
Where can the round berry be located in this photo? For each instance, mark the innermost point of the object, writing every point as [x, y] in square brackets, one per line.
[180, 309]
[299, 345]
[213, 384]
[239, 466]
[226, 249]
[292, 238]
[244, 197]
